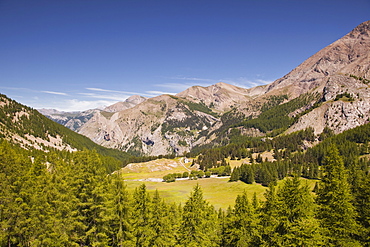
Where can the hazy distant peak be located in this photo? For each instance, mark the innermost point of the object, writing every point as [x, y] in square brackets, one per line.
[136, 99]
[45, 111]
[127, 104]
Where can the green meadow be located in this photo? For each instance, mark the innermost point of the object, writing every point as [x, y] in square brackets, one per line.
[218, 191]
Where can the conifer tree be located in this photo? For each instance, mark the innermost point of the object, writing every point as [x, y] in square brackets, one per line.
[255, 202]
[88, 179]
[161, 223]
[336, 211]
[360, 181]
[269, 218]
[241, 226]
[142, 210]
[119, 213]
[199, 222]
[297, 225]
[13, 207]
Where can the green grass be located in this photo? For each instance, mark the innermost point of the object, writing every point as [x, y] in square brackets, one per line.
[217, 191]
[154, 169]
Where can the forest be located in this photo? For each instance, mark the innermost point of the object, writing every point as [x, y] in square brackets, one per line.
[69, 199]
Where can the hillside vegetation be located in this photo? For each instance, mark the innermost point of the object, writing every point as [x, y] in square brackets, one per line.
[67, 199]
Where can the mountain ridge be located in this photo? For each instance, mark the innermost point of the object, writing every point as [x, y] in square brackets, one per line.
[335, 81]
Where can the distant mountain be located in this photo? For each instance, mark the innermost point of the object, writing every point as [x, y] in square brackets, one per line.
[221, 97]
[159, 125]
[328, 90]
[29, 129]
[127, 104]
[74, 120]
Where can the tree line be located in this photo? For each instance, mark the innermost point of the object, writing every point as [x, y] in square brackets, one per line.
[68, 199]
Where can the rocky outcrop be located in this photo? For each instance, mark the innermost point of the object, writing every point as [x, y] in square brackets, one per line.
[72, 120]
[341, 72]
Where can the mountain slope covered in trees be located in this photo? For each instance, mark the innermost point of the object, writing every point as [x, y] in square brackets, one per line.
[29, 129]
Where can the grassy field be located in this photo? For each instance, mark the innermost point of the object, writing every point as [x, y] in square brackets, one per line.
[217, 191]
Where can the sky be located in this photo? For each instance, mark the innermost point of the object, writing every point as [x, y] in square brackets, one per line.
[74, 55]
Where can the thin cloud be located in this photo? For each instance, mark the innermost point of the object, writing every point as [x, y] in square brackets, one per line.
[117, 94]
[194, 79]
[179, 87]
[263, 82]
[109, 91]
[16, 88]
[156, 93]
[82, 105]
[116, 97]
[87, 94]
[56, 93]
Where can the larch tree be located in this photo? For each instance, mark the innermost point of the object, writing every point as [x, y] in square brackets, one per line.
[336, 211]
[241, 224]
[199, 225]
[142, 209]
[297, 225]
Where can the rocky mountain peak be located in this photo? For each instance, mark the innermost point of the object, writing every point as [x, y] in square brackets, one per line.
[362, 30]
[220, 96]
[348, 55]
[127, 104]
[136, 99]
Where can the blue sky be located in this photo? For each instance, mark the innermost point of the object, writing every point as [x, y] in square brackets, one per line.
[81, 54]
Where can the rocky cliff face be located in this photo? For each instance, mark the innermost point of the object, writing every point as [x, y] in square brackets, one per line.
[341, 73]
[338, 76]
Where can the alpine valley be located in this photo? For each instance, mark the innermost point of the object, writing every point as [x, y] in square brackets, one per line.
[330, 90]
[284, 164]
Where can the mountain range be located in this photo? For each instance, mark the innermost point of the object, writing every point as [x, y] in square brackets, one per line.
[328, 90]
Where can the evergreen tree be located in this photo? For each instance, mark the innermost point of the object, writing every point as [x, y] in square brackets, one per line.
[255, 202]
[13, 198]
[199, 222]
[235, 175]
[161, 223]
[297, 225]
[241, 224]
[88, 182]
[119, 213]
[269, 218]
[142, 210]
[336, 211]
